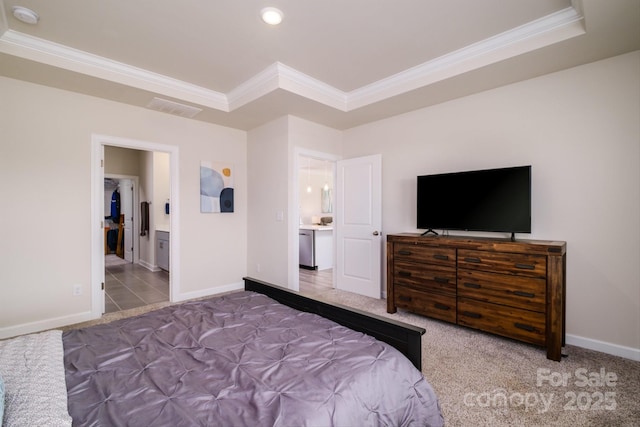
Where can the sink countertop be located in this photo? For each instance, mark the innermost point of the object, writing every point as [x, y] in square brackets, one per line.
[317, 227]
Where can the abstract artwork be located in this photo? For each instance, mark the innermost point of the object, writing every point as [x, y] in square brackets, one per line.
[216, 187]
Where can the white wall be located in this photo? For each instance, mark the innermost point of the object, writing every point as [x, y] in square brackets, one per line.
[268, 178]
[272, 164]
[580, 131]
[161, 189]
[45, 175]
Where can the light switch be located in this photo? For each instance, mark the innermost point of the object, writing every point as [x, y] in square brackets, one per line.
[280, 216]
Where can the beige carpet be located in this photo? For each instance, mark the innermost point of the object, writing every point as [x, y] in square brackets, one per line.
[484, 380]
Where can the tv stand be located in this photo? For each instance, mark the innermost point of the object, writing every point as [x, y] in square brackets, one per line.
[513, 237]
[513, 289]
[431, 230]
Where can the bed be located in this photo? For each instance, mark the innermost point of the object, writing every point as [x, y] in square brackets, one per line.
[264, 356]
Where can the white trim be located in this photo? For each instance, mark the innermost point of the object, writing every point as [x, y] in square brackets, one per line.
[545, 31]
[97, 234]
[604, 347]
[57, 55]
[548, 30]
[280, 76]
[148, 265]
[266, 81]
[301, 84]
[43, 325]
[97, 228]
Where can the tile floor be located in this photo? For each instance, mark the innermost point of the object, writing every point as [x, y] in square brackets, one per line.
[130, 285]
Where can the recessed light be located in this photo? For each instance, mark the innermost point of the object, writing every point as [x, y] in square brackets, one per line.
[25, 15]
[271, 15]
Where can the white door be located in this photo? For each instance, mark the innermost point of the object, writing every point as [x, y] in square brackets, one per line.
[126, 206]
[358, 228]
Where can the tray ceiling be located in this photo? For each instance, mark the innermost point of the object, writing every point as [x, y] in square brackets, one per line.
[334, 62]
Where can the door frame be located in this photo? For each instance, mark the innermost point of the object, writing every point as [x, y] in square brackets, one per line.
[294, 212]
[98, 141]
[135, 227]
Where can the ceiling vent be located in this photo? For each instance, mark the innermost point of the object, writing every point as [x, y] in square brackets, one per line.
[172, 107]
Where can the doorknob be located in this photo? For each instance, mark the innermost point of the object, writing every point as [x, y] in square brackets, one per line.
[375, 233]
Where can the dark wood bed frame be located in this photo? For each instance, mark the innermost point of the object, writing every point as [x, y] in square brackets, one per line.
[404, 337]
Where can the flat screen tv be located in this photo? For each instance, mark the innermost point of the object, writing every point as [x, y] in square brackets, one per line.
[494, 200]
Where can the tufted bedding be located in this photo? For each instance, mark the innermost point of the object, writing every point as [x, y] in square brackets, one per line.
[240, 360]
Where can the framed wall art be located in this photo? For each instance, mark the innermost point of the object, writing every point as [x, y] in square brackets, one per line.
[216, 187]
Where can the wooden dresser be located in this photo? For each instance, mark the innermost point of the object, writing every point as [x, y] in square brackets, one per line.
[514, 289]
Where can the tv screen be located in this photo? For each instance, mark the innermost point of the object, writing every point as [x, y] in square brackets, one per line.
[496, 200]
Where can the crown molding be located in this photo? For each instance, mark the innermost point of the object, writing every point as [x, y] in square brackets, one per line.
[281, 76]
[542, 32]
[57, 55]
[311, 88]
[256, 87]
[553, 28]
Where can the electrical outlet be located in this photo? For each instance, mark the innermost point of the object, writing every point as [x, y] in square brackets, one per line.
[258, 268]
[77, 290]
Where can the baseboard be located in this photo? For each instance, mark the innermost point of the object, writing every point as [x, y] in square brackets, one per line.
[148, 265]
[604, 347]
[43, 325]
[56, 322]
[209, 292]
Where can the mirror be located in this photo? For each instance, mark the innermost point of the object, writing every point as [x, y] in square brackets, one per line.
[325, 201]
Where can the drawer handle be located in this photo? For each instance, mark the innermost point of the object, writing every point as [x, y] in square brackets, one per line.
[404, 298]
[472, 259]
[472, 314]
[524, 326]
[471, 285]
[524, 294]
[441, 279]
[404, 273]
[401, 252]
[526, 266]
[441, 257]
[441, 306]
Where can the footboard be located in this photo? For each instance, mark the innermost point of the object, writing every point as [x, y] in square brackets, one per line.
[404, 337]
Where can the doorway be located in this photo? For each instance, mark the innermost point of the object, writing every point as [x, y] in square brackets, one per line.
[316, 241]
[121, 219]
[357, 234]
[144, 264]
[127, 284]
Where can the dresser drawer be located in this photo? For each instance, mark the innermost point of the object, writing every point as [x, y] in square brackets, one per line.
[429, 304]
[425, 277]
[424, 254]
[516, 291]
[503, 262]
[524, 325]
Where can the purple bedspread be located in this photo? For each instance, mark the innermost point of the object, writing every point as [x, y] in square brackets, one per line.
[240, 360]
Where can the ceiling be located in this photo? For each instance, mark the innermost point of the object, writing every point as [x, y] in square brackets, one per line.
[336, 62]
